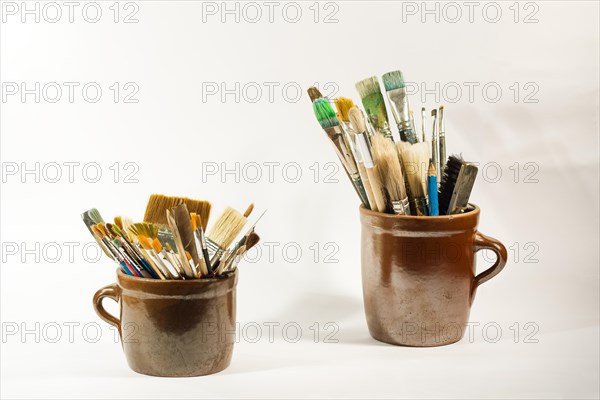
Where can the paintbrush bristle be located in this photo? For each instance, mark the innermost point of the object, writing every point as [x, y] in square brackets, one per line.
[156, 245]
[95, 216]
[401, 147]
[393, 80]
[314, 93]
[144, 229]
[343, 105]
[416, 161]
[386, 158]
[252, 240]
[357, 119]
[325, 113]
[145, 242]
[158, 204]
[367, 87]
[227, 227]
[97, 231]
[119, 222]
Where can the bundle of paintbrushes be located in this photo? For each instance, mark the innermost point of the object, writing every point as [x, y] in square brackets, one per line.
[171, 242]
[406, 175]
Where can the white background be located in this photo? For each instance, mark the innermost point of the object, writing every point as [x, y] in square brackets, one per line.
[548, 220]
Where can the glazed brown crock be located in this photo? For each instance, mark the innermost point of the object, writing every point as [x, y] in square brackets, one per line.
[418, 275]
[173, 327]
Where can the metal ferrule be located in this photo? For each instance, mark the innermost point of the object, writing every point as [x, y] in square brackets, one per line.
[365, 150]
[420, 206]
[401, 207]
[337, 136]
[442, 152]
[214, 251]
[344, 151]
[399, 104]
[442, 141]
[174, 261]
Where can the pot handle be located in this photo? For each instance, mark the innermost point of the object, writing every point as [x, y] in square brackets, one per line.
[112, 292]
[482, 242]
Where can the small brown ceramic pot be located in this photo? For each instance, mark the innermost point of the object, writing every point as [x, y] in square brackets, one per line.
[418, 275]
[173, 327]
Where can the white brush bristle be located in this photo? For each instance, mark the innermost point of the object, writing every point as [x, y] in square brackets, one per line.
[386, 158]
[416, 163]
[357, 119]
[367, 87]
[227, 227]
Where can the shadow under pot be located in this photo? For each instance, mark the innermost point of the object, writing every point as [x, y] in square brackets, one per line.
[173, 328]
[418, 275]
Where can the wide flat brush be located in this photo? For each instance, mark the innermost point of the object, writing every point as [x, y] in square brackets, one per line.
[396, 92]
[190, 271]
[186, 233]
[374, 104]
[224, 231]
[331, 125]
[457, 184]
[386, 159]
[158, 205]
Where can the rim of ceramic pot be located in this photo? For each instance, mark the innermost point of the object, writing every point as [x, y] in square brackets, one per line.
[128, 278]
[472, 211]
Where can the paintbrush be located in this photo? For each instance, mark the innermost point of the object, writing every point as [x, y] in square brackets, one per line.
[158, 205]
[181, 216]
[205, 266]
[343, 105]
[108, 239]
[115, 254]
[432, 191]
[457, 183]
[133, 251]
[120, 246]
[412, 124]
[188, 268]
[415, 160]
[423, 111]
[231, 263]
[167, 259]
[331, 125]
[240, 242]
[386, 159]
[165, 271]
[223, 233]
[89, 222]
[372, 180]
[144, 233]
[374, 105]
[442, 139]
[314, 93]
[435, 150]
[396, 92]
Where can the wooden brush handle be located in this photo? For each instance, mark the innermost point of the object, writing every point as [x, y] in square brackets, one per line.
[376, 188]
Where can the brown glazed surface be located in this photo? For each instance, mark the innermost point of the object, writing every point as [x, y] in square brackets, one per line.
[173, 328]
[418, 275]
